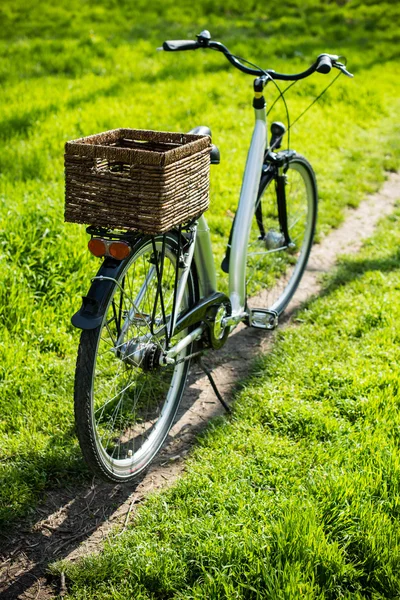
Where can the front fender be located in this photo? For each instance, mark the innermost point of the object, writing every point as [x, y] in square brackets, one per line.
[94, 304]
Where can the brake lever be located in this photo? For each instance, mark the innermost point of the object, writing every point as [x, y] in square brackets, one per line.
[342, 68]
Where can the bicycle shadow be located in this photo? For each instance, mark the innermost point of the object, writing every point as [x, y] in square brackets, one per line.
[74, 515]
[77, 518]
[66, 517]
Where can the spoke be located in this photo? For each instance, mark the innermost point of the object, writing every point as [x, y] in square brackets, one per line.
[103, 339]
[121, 299]
[140, 295]
[111, 430]
[116, 396]
[110, 320]
[266, 252]
[137, 396]
[118, 445]
[298, 219]
[116, 376]
[113, 417]
[115, 318]
[110, 334]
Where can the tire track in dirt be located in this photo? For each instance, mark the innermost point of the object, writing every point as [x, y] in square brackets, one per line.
[76, 520]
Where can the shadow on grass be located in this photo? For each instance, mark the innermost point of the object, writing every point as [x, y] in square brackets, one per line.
[74, 508]
[351, 269]
[68, 517]
[22, 124]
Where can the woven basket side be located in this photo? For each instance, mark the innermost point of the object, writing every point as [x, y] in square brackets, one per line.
[137, 188]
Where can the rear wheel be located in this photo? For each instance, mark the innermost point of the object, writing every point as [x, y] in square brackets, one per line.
[125, 402]
[274, 269]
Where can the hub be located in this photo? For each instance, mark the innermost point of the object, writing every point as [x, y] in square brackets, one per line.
[141, 355]
[152, 356]
[274, 240]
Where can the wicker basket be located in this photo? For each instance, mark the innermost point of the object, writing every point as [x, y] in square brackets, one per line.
[148, 181]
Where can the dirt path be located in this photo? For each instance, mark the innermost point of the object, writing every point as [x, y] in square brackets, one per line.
[75, 521]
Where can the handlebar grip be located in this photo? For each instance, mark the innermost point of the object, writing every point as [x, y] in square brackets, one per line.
[173, 45]
[324, 64]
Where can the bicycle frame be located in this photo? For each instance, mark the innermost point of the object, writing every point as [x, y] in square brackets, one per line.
[203, 255]
[244, 216]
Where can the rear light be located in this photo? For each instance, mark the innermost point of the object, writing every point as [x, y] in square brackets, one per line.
[119, 250]
[97, 247]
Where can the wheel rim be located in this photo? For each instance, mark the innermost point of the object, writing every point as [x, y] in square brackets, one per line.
[273, 273]
[132, 407]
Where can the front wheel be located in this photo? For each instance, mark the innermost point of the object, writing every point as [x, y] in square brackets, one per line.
[125, 402]
[275, 268]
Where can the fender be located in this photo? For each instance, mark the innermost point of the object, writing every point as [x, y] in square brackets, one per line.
[94, 304]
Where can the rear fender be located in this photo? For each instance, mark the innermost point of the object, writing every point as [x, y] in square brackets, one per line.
[94, 304]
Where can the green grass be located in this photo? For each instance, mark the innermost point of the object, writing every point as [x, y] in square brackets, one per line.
[298, 494]
[75, 68]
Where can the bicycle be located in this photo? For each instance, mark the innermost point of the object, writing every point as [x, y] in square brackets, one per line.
[154, 304]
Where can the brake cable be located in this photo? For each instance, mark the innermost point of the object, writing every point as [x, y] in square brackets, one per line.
[317, 98]
[271, 79]
[282, 94]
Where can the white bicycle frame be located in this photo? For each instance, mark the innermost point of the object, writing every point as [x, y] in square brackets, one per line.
[203, 255]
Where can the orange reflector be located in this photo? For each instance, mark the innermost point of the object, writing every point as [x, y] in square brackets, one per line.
[119, 250]
[97, 247]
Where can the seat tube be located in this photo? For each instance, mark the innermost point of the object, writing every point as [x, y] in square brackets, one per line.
[247, 203]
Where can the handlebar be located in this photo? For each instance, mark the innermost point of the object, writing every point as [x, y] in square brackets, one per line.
[175, 45]
[323, 64]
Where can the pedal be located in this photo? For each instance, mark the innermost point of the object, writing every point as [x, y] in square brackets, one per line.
[261, 318]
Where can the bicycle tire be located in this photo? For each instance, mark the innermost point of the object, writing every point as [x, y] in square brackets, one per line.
[123, 412]
[274, 271]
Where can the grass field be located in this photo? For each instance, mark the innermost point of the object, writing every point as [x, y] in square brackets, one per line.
[72, 69]
[298, 494]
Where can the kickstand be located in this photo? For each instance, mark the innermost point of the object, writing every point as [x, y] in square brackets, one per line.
[213, 385]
